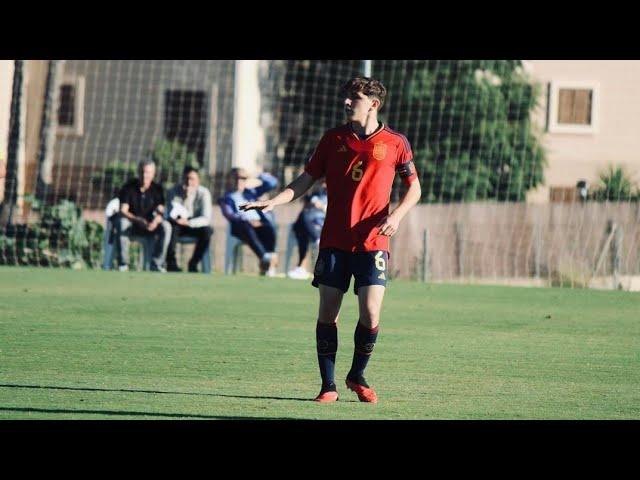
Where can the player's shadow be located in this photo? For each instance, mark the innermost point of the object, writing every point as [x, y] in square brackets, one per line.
[127, 413]
[160, 392]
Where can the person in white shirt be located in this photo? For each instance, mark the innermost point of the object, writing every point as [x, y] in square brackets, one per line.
[189, 206]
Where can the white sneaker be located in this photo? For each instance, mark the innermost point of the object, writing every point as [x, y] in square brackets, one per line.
[298, 273]
[123, 268]
[271, 272]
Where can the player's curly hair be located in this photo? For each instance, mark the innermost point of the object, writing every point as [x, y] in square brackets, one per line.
[368, 86]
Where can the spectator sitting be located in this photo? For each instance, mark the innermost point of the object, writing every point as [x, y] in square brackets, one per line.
[253, 227]
[308, 227]
[142, 213]
[189, 206]
[112, 213]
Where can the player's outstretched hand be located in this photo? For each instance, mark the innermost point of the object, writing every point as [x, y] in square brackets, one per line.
[388, 226]
[265, 206]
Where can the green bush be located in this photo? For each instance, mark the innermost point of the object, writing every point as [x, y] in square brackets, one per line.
[114, 175]
[616, 185]
[171, 157]
[62, 238]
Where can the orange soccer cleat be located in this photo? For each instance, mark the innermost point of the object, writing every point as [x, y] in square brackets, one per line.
[365, 394]
[327, 397]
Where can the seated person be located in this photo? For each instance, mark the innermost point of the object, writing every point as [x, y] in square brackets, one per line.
[112, 213]
[253, 227]
[142, 213]
[308, 226]
[189, 206]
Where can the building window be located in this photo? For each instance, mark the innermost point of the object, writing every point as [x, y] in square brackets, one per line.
[185, 120]
[70, 111]
[573, 107]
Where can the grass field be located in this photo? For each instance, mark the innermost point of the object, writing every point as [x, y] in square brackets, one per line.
[109, 345]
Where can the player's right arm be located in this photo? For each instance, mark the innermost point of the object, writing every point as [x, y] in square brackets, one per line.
[294, 190]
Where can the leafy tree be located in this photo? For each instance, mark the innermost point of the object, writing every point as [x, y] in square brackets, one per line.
[469, 125]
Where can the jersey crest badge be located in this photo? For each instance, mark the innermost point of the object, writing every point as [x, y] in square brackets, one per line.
[379, 151]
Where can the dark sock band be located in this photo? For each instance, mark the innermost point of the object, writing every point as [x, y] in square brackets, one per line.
[327, 346]
[364, 340]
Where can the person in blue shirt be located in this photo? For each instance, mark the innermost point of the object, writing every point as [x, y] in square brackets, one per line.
[253, 227]
[308, 227]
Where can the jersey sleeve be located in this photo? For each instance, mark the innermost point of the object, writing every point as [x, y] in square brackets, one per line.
[316, 166]
[404, 163]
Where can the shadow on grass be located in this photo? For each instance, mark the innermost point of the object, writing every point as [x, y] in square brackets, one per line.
[127, 413]
[93, 389]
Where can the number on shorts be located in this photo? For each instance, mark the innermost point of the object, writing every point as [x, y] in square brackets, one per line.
[380, 262]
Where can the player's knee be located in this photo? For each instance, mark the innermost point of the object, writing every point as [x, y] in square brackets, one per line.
[370, 318]
[328, 317]
[328, 312]
[330, 301]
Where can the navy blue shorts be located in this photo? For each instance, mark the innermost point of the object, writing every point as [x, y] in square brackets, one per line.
[334, 268]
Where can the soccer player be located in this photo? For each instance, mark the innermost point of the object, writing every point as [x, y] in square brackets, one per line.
[359, 161]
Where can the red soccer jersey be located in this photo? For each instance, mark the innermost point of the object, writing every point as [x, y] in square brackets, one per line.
[359, 175]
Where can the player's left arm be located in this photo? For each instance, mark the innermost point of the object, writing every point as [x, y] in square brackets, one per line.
[389, 225]
[407, 171]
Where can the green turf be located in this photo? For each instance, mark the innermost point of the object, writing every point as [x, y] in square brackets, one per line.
[110, 345]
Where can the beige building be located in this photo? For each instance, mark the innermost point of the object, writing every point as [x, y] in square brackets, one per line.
[590, 115]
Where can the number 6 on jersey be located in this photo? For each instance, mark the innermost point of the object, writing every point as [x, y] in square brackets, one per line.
[356, 172]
